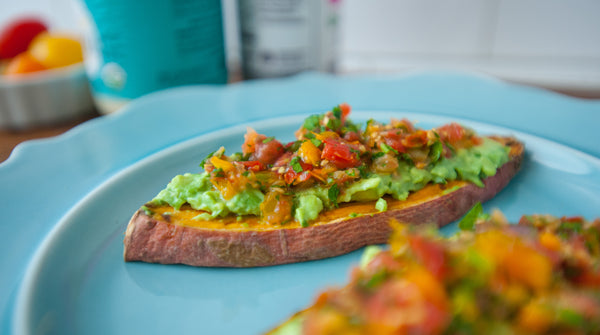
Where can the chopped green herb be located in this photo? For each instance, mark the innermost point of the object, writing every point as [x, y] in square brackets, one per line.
[207, 158]
[436, 151]
[386, 148]
[246, 173]
[468, 221]
[333, 193]
[337, 112]
[312, 122]
[317, 143]
[375, 279]
[295, 145]
[218, 172]
[378, 154]
[268, 139]
[295, 164]
[362, 169]
[353, 215]
[334, 124]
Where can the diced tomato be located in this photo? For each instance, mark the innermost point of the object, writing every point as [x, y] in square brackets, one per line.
[393, 138]
[250, 139]
[253, 165]
[416, 140]
[293, 177]
[402, 307]
[340, 153]
[284, 159]
[345, 108]
[430, 254]
[267, 152]
[352, 136]
[263, 149]
[404, 124]
[452, 132]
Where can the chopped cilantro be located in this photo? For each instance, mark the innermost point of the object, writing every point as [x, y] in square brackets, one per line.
[436, 151]
[295, 164]
[207, 158]
[316, 142]
[468, 221]
[378, 154]
[337, 112]
[218, 172]
[334, 124]
[362, 169]
[312, 122]
[268, 139]
[333, 193]
[386, 148]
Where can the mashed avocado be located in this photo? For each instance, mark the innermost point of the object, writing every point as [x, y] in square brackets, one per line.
[470, 164]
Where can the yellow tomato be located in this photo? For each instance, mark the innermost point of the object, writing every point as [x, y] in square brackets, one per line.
[55, 50]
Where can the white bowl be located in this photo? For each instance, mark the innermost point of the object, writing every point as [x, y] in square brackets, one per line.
[45, 97]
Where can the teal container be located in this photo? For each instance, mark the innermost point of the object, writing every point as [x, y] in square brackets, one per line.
[136, 47]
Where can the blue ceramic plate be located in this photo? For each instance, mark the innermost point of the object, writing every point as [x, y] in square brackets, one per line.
[77, 282]
[43, 183]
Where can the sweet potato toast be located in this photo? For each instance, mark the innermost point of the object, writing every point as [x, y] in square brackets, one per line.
[162, 234]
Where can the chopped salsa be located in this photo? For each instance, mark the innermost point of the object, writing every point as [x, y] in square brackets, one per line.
[331, 161]
[540, 276]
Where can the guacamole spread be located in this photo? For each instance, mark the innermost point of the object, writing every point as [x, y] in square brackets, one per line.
[332, 161]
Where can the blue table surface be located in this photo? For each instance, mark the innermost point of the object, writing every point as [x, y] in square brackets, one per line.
[43, 179]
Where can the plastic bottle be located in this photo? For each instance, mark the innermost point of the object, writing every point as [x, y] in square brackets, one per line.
[284, 37]
[136, 47]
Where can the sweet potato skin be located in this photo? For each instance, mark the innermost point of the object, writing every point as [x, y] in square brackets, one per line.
[153, 240]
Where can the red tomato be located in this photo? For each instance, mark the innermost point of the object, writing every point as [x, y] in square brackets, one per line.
[430, 254]
[17, 36]
[345, 108]
[339, 153]
[452, 132]
[293, 177]
[253, 165]
[416, 139]
[394, 138]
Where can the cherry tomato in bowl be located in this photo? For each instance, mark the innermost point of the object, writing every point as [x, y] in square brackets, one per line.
[16, 37]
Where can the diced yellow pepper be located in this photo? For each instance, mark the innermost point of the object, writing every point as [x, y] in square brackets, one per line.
[222, 164]
[309, 153]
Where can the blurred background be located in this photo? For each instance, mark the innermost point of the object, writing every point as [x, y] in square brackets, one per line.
[553, 44]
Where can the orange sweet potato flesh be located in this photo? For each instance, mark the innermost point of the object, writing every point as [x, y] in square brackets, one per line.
[172, 237]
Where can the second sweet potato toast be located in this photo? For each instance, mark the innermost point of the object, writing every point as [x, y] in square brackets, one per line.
[331, 191]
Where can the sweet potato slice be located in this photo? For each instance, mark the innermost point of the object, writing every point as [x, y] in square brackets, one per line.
[172, 237]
